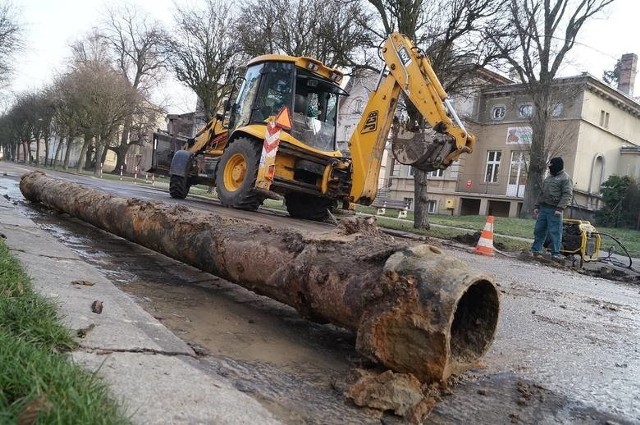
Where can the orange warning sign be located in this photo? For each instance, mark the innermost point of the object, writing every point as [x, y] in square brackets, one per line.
[283, 119]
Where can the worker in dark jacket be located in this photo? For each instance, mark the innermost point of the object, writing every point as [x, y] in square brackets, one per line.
[557, 191]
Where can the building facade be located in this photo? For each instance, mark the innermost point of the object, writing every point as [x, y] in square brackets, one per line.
[594, 127]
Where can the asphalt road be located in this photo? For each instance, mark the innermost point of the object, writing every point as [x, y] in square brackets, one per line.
[566, 350]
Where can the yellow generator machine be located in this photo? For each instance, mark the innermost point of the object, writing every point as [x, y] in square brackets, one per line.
[580, 237]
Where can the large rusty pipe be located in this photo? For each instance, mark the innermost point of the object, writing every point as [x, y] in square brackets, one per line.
[415, 309]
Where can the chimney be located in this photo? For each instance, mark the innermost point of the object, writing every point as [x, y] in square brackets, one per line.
[628, 67]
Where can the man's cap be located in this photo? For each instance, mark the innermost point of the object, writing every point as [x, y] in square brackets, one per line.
[556, 162]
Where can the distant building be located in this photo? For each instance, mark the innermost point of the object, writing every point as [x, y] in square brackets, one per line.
[595, 128]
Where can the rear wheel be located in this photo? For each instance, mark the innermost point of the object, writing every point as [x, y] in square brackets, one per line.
[178, 187]
[310, 207]
[236, 175]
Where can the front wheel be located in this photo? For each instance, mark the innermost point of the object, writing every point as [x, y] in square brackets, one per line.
[236, 175]
[178, 187]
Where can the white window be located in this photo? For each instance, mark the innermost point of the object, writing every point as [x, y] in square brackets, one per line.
[432, 206]
[525, 110]
[604, 119]
[356, 106]
[348, 129]
[436, 173]
[395, 169]
[498, 112]
[493, 164]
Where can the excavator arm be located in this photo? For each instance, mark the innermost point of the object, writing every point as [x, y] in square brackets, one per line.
[406, 70]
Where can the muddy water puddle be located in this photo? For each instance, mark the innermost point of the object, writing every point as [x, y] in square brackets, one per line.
[295, 368]
[292, 366]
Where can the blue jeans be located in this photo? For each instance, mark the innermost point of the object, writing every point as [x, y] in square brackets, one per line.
[548, 225]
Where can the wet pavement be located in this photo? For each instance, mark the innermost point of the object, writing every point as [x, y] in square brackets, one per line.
[566, 350]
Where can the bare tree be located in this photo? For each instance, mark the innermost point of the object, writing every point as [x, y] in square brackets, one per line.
[22, 122]
[451, 33]
[90, 49]
[8, 141]
[328, 31]
[137, 44]
[66, 119]
[29, 121]
[103, 96]
[543, 32]
[10, 39]
[94, 101]
[201, 50]
[612, 77]
[43, 110]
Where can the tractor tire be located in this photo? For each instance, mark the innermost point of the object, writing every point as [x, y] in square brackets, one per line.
[309, 207]
[178, 186]
[236, 175]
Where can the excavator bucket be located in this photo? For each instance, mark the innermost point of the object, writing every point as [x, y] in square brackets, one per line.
[424, 149]
[164, 147]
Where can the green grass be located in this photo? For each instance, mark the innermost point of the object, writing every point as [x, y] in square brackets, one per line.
[505, 230]
[37, 378]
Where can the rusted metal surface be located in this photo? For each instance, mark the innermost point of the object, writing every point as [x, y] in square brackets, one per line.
[414, 309]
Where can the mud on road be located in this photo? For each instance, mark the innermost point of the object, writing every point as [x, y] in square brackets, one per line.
[296, 368]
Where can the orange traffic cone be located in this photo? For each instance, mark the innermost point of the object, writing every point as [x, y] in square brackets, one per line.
[485, 243]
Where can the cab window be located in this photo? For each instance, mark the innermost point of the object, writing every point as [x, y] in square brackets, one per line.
[314, 111]
[242, 108]
[275, 91]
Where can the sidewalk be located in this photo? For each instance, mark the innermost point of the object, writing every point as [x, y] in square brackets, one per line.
[153, 373]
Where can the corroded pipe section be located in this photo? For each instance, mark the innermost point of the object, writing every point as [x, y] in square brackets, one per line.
[415, 310]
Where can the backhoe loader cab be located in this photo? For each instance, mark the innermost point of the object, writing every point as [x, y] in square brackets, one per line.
[274, 82]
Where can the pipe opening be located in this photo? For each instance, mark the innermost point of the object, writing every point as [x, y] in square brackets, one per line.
[474, 323]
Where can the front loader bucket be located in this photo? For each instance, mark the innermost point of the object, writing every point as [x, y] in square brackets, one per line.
[164, 147]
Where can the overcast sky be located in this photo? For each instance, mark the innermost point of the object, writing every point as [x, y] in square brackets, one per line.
[51, 25]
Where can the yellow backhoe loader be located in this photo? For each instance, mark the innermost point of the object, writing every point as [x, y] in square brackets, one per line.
[278, 137]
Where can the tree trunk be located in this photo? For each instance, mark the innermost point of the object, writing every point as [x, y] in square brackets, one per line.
[37, 161]
[58, 151]
[421, 206]
[25, 151]
[83, 153]
[67, 154]
[123, 147]
[538, 154]
[100, 152]
[103, 157]
[46, 148]
[414, 309]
